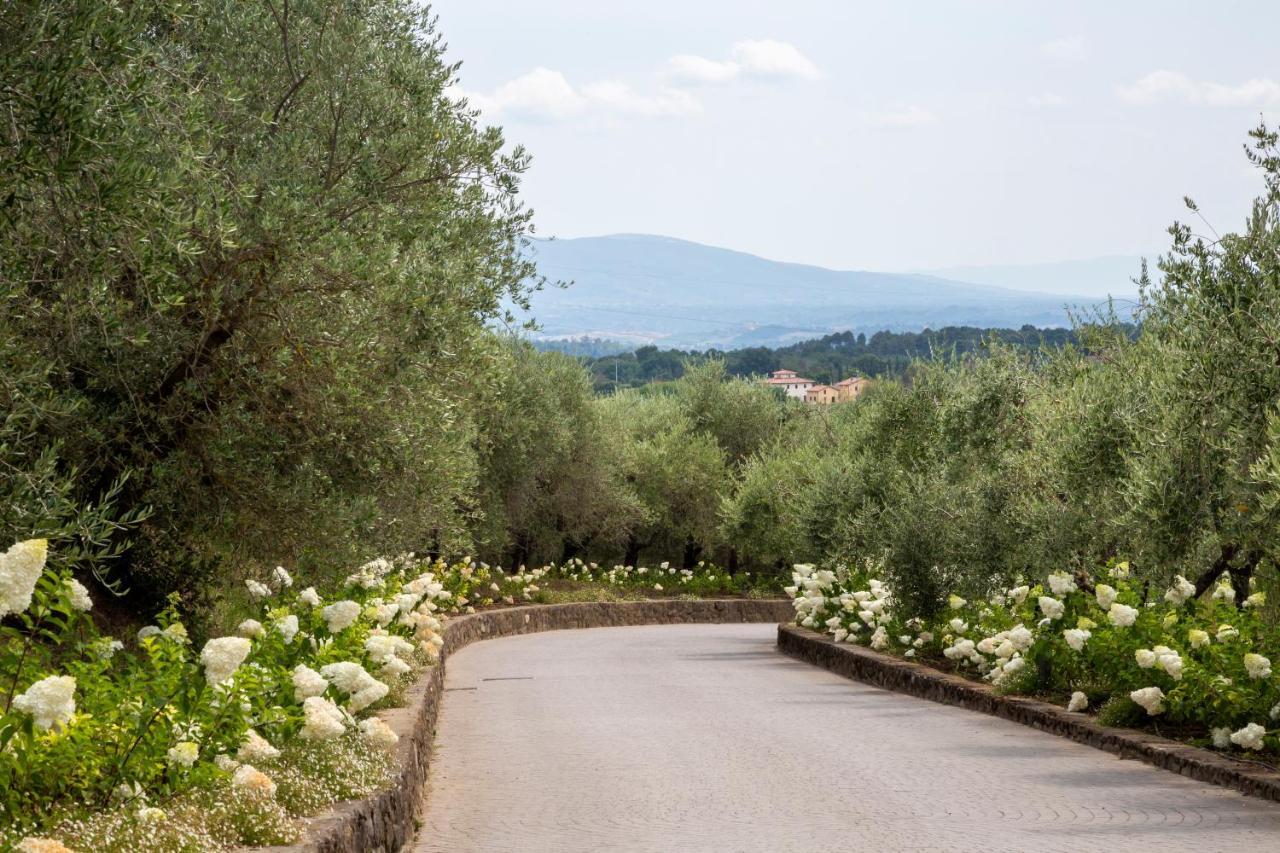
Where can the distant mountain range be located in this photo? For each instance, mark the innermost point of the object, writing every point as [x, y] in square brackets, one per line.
[645, 289]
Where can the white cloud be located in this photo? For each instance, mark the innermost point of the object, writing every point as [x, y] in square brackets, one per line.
[547, 95]
[1172, 85]
[541, 94]
[621, 98]
[765, 59]
[1071, 48]
[698, 69]
[1047, 99]
[770, 58]
[909, 117]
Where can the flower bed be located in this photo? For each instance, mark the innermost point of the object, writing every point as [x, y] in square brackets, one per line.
[156, 745]
[1196, 668]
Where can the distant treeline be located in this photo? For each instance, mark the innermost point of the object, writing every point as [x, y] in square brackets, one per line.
[827, 359]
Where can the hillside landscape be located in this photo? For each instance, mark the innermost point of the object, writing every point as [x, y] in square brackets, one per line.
[644, 289]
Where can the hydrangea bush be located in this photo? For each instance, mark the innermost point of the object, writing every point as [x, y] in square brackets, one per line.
[1198, 667]
[156, 744]
[92, 723]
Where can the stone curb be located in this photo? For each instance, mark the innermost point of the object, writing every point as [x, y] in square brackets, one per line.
[914, 679]
[387, 821]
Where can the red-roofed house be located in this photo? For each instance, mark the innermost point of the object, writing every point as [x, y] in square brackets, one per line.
[793, 385]
[849, 389]
[821, 395]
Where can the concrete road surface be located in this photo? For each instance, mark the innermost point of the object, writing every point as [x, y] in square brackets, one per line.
[704, 738]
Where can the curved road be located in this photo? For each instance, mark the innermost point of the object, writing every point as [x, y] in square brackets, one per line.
[704, 738]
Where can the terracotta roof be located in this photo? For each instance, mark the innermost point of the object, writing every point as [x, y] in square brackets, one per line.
[786, 380]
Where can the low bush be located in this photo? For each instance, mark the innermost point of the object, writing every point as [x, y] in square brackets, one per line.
[1197, 666]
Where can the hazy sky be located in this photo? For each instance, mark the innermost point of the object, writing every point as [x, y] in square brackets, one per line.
[877, 135]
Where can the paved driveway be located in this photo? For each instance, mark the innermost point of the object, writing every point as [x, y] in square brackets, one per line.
[704, 738]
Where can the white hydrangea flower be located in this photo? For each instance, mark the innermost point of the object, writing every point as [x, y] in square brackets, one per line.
[1019, 594]
[1105, 595]
[959, 625]
[1120, 571]
[183, 754]
[309, 597]
[1224, 591]
[1079, 702]
[288, 627]
[880, 639]
[1150, 698]
[79, 596]
[281, 577]
[257, 590]
[956, 602]
[1250, 737]
[1051, 607]
[1145, 657]
[341, 615]
[1275, 711]
[256, 748]
[1226, 632]
[250, 628]
[51, 701]
[393, 668]
[1256, 600]
[222, 657]
[322, 720]
[20, 568]
[307, 682]
[225, 762]
[1197, 638]
[148, 631]
[1122, 615]
[351, 678]
[1221, 737]
[1062, 583]
[378, 733]
[1181, 591]
[1169, 660]
[1076, 638]
[248, 776]
[1257, 666]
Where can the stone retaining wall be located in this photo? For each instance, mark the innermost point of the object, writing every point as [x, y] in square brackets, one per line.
[902, 676]
[386, 822]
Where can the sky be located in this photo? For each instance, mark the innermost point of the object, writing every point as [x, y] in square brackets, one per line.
[877, 135]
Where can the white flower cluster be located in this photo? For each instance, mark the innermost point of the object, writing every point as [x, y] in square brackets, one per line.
[256, 748]
[250, 778]
[362, 689]
[341, 615]
[51, 701]
[307, 682]
[377, 732]
[1161, 657]
[20, 568]
[221, 658]
[322, 720]
[1150, 698]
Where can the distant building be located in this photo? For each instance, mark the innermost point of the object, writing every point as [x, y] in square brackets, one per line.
[793, 385]
[821, 395]
[849, 389]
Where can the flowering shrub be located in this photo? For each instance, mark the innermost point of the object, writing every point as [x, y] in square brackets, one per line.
[1202, 666]
[87, 722]
[158, 745]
